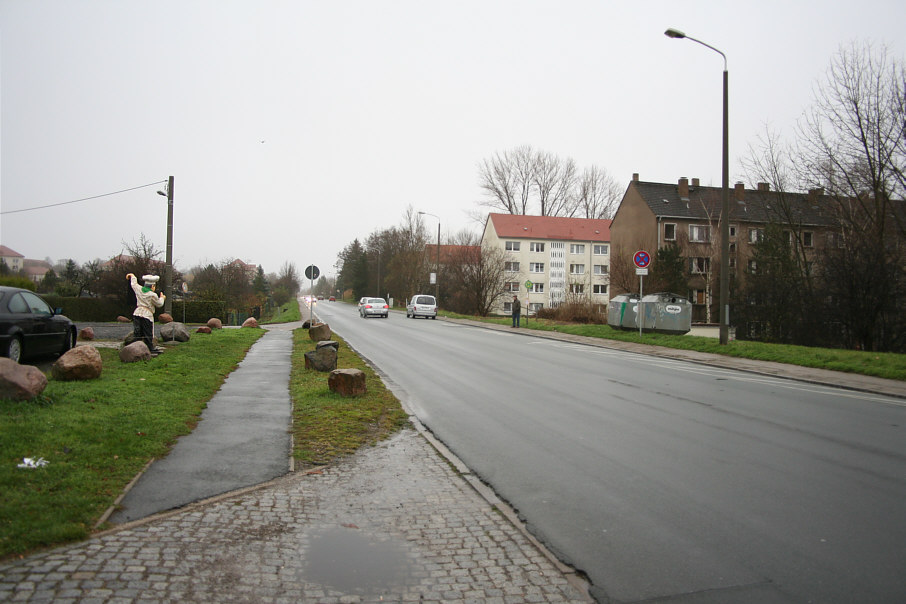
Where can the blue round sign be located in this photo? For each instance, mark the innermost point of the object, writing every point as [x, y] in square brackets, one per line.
[641, 259]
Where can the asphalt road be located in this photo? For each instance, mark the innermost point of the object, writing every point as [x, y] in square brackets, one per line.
[663, 479]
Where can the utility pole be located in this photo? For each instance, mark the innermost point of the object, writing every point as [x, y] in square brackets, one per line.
[168, 277]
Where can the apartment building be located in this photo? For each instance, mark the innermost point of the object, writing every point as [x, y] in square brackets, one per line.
[551, 260]
[688, 214]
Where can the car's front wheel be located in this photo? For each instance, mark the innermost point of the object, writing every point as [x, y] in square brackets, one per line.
[14, 351]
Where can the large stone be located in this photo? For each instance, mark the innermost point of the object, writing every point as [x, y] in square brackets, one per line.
[331, 343]
[20, 382]
[122, 319]
[203, 329]
[80, 363]
[250, 322]
[215, 323]
[165, 317]
[321, 359]
[86, 333]
[347, 382]
[174, 332]
[319, 332]
[136, 351]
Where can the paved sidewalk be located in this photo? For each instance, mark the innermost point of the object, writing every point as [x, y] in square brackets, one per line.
[393, 523]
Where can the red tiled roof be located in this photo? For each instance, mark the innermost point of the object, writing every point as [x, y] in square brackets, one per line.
[550, 227]
[7, 252]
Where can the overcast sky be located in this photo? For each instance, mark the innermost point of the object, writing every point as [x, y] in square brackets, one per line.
[294, 127]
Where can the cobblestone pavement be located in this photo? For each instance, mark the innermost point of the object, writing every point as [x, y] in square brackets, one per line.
[396, 522]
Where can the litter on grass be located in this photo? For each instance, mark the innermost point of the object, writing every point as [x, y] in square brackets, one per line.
[29, 463]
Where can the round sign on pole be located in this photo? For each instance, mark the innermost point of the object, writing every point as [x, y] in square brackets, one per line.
[312, 272]
[642, 259]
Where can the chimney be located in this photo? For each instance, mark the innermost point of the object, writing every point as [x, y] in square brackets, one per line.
[740, 192]
[635, 177]
[764, 187]
[814, 194]
[694, 182]
[683, 188]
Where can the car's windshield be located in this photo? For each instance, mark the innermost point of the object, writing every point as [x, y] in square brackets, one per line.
[376, 301]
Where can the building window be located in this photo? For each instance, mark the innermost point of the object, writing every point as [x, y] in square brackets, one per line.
[669, 231]
[600, 288]
[699, 265]
[536, 267]
[601, 249]
[536, 246]
[512, 267]
[511, 286]
[731, 262]
[752, 267]
[732, 231]
[577, 288]
[756, 235]
[732, 248]
[808, 239]
[699, 296]
[834, 239]
[537, 288]
[600, 269]
[699, 233]
[576, 248]
[512, 246]
[534, 307]
[508, 308]
[576, 269]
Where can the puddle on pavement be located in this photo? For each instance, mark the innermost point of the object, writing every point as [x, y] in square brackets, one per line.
[349, 561]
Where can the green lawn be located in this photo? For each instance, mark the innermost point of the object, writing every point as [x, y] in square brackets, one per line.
[878, 364]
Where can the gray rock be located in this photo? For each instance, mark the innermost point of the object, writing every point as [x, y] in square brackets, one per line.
[328, 343]
[319, 332]
[20, 382]
[321, 359]
[136, 351]
[174, 332]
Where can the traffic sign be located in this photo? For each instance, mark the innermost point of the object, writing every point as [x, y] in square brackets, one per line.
[312, 272]
[641, 259]
[528, 285]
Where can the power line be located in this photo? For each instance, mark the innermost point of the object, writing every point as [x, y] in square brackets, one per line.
[63, 203]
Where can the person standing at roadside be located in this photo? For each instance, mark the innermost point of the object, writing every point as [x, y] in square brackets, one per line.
[517, 310]
[146, 300]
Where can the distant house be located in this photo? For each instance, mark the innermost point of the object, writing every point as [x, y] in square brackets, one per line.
[36, 269]
[652, 215]
[250, 270]
[13, 259]
[562, 258]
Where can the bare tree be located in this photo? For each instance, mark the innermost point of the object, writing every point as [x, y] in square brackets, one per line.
[597, 194]
[554, 181]
[507, 180]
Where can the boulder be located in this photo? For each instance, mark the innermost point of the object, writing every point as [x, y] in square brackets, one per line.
[331, 343]
[20, 382]
[347, 382]
[321, 359]
[250, 322]
[79, 363]
[136, 351]
[203, 329]
[174, 332]
[86, 333]
[306, 324]
[122, 319]
[215, 323]
[319, 332]
[165, 317]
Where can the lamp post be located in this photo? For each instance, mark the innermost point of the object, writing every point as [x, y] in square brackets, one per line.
[725, 201]
[437, 262]
[168, 277]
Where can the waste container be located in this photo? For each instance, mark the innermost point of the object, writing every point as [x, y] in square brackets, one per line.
[666, 313]
[622, 311]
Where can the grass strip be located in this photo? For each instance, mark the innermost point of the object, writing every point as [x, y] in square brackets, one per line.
[878, 364]
[328, 426]
[98, 434]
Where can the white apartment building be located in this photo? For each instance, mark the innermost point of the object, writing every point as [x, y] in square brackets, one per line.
[551, 260]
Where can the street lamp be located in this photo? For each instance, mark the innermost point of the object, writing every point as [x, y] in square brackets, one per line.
[437, 264]
[725, 201]
[168, 277]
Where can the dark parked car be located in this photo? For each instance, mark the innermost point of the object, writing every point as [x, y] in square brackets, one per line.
[30, 327]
